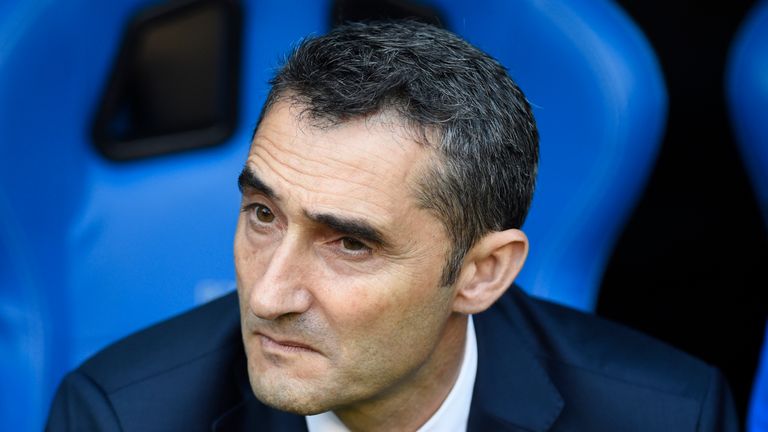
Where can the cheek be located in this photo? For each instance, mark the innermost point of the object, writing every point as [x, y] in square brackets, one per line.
[389, 338]
[388, 311]
[400, 291]
[251, 255]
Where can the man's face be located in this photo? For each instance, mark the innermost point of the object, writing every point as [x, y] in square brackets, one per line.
[337, 268]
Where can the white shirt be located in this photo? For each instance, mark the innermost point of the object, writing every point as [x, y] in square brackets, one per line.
[453, 412]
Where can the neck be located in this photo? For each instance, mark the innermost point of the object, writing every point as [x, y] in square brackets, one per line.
[409, 404]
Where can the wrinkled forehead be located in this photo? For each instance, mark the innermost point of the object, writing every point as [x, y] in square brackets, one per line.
[370, 163]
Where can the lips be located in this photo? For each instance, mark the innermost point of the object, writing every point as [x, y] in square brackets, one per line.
[278, 344]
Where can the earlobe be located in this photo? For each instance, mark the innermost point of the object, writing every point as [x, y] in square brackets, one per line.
[490, 267]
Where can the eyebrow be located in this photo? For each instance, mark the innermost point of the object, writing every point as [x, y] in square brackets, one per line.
[354, 227]
[249, 179]
[357, 228]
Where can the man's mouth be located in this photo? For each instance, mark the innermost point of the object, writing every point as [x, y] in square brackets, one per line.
[273, 343]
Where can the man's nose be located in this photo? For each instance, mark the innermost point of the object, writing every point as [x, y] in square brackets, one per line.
[281, 290]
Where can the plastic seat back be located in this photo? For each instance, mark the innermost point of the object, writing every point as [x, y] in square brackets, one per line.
[747, 91]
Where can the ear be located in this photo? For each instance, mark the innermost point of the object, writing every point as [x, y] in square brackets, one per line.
[489, 268]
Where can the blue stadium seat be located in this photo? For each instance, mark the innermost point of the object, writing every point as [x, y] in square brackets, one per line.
[90, 249]
[747, 90]
[599, 98]
[93, 249]
[757, 417]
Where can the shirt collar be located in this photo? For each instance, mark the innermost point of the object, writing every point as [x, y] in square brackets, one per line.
[453, 412]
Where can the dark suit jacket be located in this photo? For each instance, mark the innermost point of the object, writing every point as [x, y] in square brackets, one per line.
[541, 367]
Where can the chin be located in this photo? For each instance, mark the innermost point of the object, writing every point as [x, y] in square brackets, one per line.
[291, 397]
[291, 405]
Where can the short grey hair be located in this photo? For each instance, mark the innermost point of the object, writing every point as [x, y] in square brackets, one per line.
[457, 98]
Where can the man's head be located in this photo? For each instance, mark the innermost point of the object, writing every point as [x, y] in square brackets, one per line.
[388, 172]
[451, 96]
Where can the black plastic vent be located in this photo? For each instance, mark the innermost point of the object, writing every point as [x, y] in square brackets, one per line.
[374, 10]
[174, 86]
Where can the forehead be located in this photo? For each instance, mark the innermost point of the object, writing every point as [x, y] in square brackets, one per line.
[366, 167]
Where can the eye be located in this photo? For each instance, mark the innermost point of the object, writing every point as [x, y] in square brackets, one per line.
[262, 213]
[353, 245]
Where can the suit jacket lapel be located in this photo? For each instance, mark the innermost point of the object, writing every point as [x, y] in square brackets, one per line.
[512, 389]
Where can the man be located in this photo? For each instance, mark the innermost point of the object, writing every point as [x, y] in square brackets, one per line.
[388, 177]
